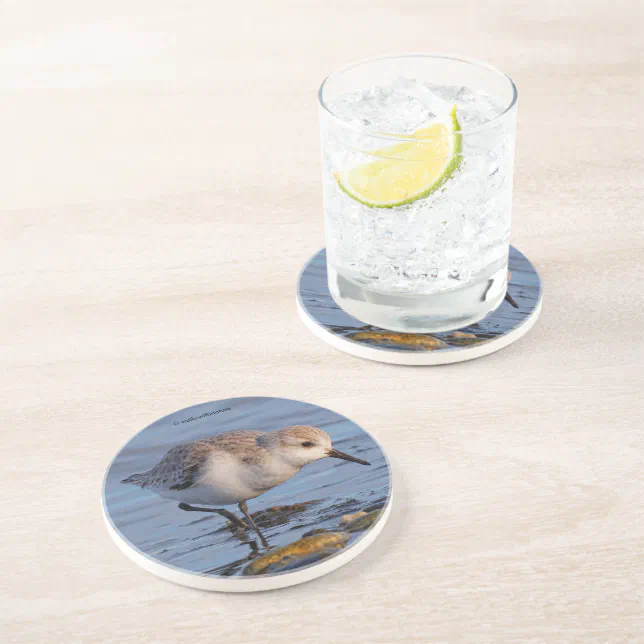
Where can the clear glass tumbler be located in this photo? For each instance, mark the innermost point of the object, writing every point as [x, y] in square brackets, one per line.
[417, 162]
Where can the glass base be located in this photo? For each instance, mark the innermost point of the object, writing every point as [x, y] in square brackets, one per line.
[409, 313]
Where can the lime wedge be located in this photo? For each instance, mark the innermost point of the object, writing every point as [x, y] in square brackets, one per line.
[406, 171]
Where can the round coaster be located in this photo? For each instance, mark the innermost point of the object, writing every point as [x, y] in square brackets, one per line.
[247, 494]
[510, 321]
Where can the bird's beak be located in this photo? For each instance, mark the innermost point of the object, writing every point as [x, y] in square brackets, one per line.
[334, 453]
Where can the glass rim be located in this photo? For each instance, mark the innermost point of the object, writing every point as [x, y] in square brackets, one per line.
[401, 137]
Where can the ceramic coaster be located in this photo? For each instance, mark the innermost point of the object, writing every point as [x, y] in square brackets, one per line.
[317, 490]
[510, 321]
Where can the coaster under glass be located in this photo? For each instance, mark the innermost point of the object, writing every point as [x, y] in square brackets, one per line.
[511, 320]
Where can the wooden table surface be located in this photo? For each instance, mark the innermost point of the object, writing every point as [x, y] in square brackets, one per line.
[160, 191]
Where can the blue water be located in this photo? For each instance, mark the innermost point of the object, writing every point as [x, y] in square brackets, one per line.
[524, 287]
[201, 542]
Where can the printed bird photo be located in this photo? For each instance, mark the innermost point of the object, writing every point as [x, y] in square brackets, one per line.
[247, 486]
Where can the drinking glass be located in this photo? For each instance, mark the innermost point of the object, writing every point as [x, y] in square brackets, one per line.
[417, 162]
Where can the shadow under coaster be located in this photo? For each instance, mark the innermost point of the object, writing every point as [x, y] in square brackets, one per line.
[510, 321]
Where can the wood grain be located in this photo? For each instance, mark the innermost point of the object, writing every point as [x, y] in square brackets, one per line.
[160, 191]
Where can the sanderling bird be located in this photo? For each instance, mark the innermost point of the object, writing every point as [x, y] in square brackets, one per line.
[234, 467]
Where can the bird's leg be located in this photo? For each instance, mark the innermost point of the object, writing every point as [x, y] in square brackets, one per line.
[244, 509]
[224, 513]
[254, 550]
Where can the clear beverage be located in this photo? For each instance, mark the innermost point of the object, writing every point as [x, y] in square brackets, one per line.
[408, 248]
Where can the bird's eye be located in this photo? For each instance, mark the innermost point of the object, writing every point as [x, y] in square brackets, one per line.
[307, 444]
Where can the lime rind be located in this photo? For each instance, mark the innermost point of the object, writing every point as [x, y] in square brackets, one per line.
[448, 170]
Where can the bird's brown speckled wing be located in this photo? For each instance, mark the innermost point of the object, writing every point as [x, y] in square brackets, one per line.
[243, 443]
[179, 468]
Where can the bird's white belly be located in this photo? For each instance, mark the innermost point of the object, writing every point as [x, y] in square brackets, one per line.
[226, 480]
[208, 495]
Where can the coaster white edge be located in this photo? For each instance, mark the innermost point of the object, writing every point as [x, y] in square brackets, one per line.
[423, 359]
